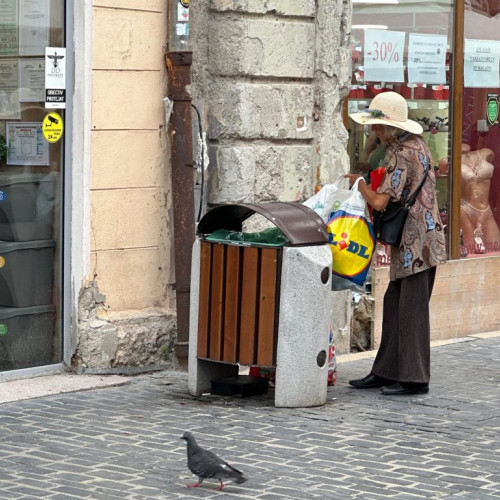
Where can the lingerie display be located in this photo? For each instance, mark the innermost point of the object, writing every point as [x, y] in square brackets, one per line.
[479, 231]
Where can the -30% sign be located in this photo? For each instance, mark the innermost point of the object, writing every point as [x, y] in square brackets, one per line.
[385, 51]
[384, 55]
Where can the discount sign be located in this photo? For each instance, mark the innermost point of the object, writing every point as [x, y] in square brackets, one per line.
[384, 56]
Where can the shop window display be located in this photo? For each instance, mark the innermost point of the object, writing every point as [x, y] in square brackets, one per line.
[480, 166]
[403, 46]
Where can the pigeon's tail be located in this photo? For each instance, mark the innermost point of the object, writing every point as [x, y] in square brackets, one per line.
[240, 479]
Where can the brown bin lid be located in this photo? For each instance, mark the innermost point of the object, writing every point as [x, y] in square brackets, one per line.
[301, 225]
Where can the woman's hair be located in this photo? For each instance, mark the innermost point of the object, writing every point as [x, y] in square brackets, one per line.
[393, 132]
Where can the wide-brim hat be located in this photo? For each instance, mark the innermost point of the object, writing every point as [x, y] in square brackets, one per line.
[388, 108]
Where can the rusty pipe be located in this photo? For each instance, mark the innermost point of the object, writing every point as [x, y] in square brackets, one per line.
[181, 140]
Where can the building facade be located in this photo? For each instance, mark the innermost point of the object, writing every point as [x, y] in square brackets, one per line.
[87, 274]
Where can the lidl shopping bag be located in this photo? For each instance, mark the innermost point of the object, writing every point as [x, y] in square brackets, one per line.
[352, 241]
[328, 199]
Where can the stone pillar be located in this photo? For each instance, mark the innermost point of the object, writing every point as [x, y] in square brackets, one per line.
[270, 76]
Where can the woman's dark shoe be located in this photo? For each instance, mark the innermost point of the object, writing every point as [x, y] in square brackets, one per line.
[404, 388]
[371, 381]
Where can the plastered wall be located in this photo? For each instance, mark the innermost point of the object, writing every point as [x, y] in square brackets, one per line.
[126, 309]
[269, 77]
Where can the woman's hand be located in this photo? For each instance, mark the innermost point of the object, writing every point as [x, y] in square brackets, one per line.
[377, 201]
[353, 178]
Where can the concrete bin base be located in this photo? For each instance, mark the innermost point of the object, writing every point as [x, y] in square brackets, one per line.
[302, 337]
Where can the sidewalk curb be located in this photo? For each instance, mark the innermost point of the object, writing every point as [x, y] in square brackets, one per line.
[50, 385]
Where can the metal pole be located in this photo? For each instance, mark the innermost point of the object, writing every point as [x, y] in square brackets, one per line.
[181, 140]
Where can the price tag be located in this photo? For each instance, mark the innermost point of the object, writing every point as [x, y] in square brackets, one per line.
[384, 56]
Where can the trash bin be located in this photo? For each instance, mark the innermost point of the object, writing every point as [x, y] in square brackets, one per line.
[262, 302]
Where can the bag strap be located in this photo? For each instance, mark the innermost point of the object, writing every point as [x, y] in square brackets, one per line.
[413, 197]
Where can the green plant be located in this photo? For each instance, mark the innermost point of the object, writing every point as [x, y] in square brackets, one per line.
[3, 148]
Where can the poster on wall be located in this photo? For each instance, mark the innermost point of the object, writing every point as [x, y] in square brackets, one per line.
[427, 59]
[9, 82]
[32, 80]
[384, 51]
[8, 28]
[26, 145]
[481, 63]
[34, 21]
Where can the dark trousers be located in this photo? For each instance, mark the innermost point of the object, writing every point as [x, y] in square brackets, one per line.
[404, 352]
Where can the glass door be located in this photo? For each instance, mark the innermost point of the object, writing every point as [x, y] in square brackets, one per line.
[32, 118]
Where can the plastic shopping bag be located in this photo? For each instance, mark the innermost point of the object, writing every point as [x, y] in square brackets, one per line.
[328, 199]
[352, 241]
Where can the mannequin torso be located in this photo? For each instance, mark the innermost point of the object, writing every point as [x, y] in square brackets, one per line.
[477, 171]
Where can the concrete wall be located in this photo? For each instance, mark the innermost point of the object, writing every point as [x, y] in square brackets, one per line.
[270, 82]
[126, 314]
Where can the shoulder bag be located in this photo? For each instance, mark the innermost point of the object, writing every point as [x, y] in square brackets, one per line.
[389, 223]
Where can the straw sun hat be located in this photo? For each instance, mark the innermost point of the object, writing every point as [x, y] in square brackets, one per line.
[388, 108]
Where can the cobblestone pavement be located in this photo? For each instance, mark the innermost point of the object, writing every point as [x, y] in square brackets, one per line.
[123, 442]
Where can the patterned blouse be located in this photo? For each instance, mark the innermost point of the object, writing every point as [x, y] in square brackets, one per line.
[423, 244]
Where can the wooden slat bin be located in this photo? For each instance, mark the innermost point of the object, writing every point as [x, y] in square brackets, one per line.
[238, 303]
[261, 302]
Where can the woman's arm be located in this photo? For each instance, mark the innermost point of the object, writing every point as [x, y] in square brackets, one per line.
[377, 201]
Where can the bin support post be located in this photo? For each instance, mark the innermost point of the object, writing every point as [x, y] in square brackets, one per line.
[200, 371]
[181, 140]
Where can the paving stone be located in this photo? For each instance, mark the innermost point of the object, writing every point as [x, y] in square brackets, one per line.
[124, 442]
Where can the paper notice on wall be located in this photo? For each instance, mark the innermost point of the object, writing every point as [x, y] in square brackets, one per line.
[384, 51]
[55, 77]
[26, 145]
[9, 83]
[34, 21]
[32, 80]
[481, 63]
[9, 40]
[427, 59]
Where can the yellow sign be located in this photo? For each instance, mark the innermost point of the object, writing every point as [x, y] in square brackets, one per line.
[185, 3]
[2, 261]
[52, 127]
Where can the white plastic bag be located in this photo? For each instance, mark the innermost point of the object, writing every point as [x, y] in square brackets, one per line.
[329, 198]
[352, 240]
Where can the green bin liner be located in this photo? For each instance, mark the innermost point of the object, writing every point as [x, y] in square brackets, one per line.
[272, 237]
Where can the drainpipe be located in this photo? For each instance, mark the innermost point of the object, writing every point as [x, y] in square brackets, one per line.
[181, 140]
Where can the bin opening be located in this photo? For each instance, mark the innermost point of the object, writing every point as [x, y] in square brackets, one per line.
[272, 237]
[300, 225]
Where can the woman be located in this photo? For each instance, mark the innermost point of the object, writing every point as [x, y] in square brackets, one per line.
[402, 364]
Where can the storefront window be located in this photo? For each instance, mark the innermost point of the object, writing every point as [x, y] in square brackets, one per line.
[404, 46]
[32, 116]
[480, 166]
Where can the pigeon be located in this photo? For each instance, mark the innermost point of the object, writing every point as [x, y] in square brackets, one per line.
[205, 465]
